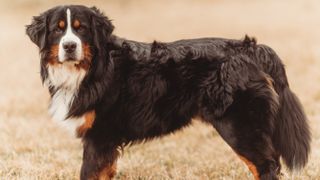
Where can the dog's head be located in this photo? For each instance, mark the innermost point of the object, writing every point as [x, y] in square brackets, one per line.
[74, 43]
[73, 35]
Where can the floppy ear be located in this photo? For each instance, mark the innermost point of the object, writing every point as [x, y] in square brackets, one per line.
[102, 28]
[37, 30]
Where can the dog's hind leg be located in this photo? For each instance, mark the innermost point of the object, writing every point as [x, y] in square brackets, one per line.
[99, 162]
[247, 126]
[251, 145]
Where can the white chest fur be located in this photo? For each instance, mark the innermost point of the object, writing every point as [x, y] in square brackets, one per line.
[66, 79]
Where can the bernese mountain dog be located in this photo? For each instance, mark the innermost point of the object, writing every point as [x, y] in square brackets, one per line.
[112, 92]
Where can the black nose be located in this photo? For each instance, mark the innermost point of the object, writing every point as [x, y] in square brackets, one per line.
[69, 47]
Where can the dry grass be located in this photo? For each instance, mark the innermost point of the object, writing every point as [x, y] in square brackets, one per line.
[33, 147]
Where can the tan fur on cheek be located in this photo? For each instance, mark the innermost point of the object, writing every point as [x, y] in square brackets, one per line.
[53, 57]
[87, 52]
[87, 58]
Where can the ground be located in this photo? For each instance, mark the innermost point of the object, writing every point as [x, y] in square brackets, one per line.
[34, 147]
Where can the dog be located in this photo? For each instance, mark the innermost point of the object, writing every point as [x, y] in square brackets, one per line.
[113, 92]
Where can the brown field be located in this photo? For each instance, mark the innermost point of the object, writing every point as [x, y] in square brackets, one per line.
[34, 147]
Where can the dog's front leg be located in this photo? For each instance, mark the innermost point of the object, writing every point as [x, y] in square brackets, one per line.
[99, 162]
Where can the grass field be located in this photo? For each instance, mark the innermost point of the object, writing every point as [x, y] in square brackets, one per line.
[34, 147]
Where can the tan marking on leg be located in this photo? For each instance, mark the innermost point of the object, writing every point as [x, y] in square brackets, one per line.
[108, 172]
[88, 122]
[251, 167]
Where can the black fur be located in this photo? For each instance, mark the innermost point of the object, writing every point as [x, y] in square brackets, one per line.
[141, 91]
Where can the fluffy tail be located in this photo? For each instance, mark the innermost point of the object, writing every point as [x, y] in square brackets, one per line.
[292, 136]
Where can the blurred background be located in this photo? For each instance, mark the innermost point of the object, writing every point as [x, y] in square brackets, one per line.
[34, 147]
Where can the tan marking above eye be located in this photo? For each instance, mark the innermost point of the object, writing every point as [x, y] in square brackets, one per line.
[61, 24]
[76, 24]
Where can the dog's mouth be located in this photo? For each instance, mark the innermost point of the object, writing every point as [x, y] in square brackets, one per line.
[78, 64]
[70, 57]
[72, 63]
[69, 62]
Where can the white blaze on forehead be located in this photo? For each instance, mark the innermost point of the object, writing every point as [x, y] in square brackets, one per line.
[70, 37]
